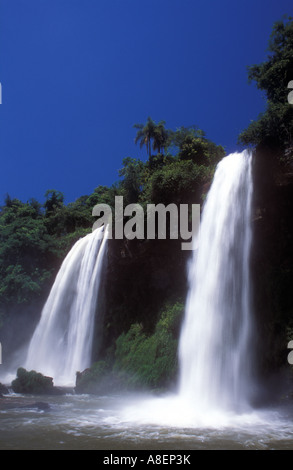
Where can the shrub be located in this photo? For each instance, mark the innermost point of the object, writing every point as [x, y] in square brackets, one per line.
[150, 361]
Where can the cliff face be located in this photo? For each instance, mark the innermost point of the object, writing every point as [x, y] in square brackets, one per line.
[141, 277]
[272, 259]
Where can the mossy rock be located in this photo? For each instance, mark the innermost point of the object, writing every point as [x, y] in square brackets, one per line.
[97, 379]
[33, 382]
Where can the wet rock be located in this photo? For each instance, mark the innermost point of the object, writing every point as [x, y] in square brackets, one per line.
[3, 390]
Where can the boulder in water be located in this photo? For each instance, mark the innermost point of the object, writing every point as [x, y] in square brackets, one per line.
[33, 382]
[97, 379]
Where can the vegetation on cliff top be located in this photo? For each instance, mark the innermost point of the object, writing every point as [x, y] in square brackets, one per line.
[273, 76]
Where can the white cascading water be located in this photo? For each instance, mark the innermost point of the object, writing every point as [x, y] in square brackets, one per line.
[215, 351]
[62, 342]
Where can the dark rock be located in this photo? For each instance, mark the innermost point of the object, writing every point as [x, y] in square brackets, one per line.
[97, 379]
[3, 390]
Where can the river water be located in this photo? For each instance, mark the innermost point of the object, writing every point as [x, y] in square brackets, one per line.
[132, 422]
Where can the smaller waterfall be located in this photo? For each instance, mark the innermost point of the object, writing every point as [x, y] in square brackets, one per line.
[62, 342]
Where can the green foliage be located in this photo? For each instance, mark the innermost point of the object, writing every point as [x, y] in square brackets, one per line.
[20, 287]
[190, 143]
[33, 241]
[272, 76]
[177, 138]
[194, 149]
[176, 182]
[150, 360]
[61, 219]
[54, 200]
[160, 137]
[23, 252]
[103, 195]
[132, 174]
[155, 162]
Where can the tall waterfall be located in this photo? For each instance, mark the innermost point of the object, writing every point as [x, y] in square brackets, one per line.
[62, 341]
[214, 350]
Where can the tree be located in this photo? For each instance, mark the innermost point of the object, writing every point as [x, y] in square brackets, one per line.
[54, 200]
[145, 134]
[8, 200]
[153, 136]
[160, 137]
[176, 182]
[272, 76]
[190, 143]
[178, 137]
[132, 173]
[25, 249]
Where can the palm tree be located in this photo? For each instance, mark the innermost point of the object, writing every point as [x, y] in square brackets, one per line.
[160, 137]
[145, 134]
[152, 133]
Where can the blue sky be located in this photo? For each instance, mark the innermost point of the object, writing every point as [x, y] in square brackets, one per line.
[77, 74]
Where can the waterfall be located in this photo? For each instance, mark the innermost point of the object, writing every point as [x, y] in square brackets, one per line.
[62, 342]
[215, 351]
